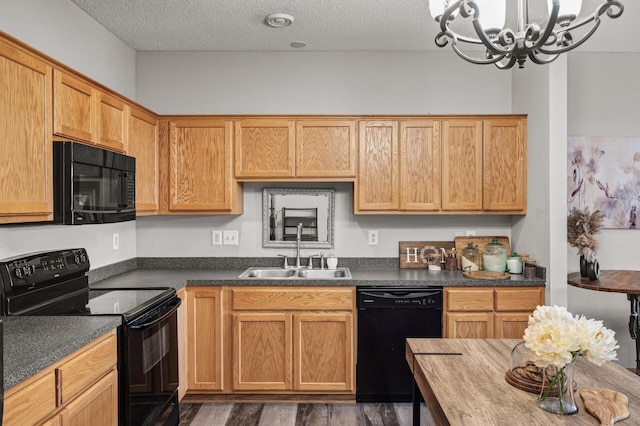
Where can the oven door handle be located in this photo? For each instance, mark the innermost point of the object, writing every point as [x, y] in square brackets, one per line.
[174, 307]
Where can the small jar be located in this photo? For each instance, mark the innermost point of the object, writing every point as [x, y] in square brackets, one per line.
[450, 263]
[332, 261]
[529, 268]
[494, 257]
[470, 258]
[514, 264]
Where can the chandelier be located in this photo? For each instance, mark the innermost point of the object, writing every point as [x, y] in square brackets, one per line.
[541, 43]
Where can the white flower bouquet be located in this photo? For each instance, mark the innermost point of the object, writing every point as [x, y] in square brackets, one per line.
[555, 337]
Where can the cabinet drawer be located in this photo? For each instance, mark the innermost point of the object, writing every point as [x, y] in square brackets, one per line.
[519, 299]
[32, 402]
[469, 299]
[292, 298]
[87, 367]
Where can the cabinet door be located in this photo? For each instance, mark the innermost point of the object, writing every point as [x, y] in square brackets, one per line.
[144, 146]
[97, 406]
[465, 325]
[112, 122]
[420, 165]
[200, 166]
[377, 184]
[204, 323]
[74, 108]
[26, 188]
[265, 148]
[323, 352]
[30, 402]
[183, 345]
[505, 177]
[326, 148]
[461, 165]
[262, 351]
[510, 325]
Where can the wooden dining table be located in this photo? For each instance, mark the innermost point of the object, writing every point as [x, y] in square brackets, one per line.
[463, 382]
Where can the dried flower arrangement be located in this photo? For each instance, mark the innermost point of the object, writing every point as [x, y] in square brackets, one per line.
[582, 228]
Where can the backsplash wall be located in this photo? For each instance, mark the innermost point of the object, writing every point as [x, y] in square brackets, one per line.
[185, 236]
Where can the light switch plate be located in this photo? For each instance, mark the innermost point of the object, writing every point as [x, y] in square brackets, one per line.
[116, 241]
[373, 238]
[230, 238]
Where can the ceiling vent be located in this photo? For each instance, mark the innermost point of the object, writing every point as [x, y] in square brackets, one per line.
[279, 20]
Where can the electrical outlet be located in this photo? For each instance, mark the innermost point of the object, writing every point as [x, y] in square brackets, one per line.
[230, 238]
[373, 238]
[216, 238]
[116, 241]
[470, 233]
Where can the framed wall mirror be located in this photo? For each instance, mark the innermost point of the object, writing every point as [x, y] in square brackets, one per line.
[284, 209]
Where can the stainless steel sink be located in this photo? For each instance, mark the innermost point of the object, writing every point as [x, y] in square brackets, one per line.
[340, 273]
[303, 274]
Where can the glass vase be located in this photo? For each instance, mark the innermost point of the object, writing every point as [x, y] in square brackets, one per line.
[556, 394]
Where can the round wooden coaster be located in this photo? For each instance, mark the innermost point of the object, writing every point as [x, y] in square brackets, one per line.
[526, 384]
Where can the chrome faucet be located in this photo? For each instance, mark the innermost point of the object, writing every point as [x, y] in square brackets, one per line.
[298, 238]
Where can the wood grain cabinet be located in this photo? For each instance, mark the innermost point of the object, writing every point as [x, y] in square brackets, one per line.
[489, 312]
[183, 344]
[274, 148]
[144, 146]
[200, 167]
[293, 340]
[205, 339]
[80, 389]
[26, 188]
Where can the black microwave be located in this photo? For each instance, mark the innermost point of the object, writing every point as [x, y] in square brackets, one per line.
[92, 185]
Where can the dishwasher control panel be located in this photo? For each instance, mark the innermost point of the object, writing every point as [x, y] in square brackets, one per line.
[399, 297]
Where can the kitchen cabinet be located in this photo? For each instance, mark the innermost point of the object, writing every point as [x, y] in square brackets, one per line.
[279, 149]
[489, 312]
[462, 165]
[205, 339]
[80, 389]
[293, 340]
[200, 162]
[144, 146]
[84, 113]
[26, 188]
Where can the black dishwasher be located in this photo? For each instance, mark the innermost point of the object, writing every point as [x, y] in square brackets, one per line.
[386, 317]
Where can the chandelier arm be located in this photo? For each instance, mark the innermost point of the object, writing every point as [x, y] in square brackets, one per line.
[476, 60]
[448, 16]
[540, 61]
[548, 31]
[607, 7]
[574, 44]
[509, 64]
[489, 44]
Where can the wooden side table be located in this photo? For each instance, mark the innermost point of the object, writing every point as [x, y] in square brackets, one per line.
[617, 282]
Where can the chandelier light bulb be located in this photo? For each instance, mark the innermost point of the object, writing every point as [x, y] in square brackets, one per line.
[493, 14]
[567, 7]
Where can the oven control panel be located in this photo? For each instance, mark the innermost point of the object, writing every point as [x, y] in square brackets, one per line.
[39, 268]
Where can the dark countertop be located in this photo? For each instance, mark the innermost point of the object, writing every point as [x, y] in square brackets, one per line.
[361, 277]
[33, 343]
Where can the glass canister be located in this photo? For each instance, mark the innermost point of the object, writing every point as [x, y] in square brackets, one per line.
[494, 256]
[514, 263]
[470, 258]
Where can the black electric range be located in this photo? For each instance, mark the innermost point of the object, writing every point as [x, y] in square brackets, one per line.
[55, 283]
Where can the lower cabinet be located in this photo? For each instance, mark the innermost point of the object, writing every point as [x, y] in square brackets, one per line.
[79, 390]
[271, 340]
[489, 312]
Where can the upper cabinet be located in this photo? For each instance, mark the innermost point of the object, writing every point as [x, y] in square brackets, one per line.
[84, 113]
[144, 146]
[281, 149]
[452, 165]
[200, 162]
[26, 188]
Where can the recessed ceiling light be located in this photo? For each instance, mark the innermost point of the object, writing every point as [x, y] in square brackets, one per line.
[298, 44]
[279, 20]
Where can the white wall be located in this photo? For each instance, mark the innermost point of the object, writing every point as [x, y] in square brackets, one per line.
[186, 236]
[59, 29]
[603, 101]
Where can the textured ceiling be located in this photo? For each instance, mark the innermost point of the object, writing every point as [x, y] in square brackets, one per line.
[331, 25]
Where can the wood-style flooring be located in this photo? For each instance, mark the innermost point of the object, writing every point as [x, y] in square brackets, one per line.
[291, 414]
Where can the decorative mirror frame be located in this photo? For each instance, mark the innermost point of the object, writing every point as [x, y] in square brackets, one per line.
[267, 192]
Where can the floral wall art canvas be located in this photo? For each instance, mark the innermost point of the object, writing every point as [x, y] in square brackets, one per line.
[604, 174]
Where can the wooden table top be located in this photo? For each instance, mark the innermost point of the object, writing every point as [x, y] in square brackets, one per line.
[463, 383]
[612, 281]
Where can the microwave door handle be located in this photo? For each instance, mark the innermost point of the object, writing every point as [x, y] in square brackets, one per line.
[123, 190]
[144, 326]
